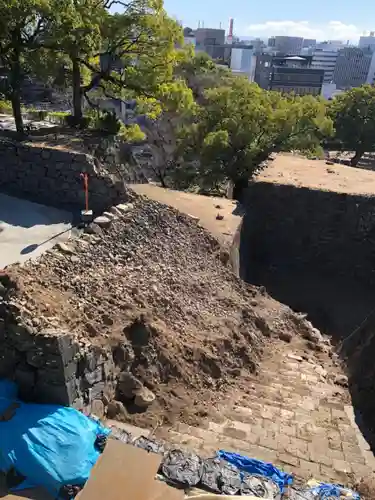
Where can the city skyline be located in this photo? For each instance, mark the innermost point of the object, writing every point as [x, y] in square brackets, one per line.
[287, 18]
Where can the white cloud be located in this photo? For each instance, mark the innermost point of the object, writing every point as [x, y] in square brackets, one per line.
[333, 30]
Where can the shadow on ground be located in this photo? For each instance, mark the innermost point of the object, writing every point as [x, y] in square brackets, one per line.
[340, 308]
[19, 212]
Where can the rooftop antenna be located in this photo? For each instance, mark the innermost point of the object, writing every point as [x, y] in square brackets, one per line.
[199, 24]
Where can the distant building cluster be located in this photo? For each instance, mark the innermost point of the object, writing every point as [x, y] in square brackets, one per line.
[290, 63]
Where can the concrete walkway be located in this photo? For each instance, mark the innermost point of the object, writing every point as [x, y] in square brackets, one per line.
[29, 229]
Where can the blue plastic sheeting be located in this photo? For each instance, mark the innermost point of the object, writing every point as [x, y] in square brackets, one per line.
[48, 444]
[324, 490]
[253, 466]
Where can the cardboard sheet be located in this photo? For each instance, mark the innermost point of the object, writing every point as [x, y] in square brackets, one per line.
[124, 471]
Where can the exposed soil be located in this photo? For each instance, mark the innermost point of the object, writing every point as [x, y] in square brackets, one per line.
[293, 170]
[160, 286]
[205, 208]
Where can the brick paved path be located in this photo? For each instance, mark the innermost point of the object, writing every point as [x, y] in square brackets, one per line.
[294, 417]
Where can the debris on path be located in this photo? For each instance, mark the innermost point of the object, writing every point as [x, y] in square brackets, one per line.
[159, 287]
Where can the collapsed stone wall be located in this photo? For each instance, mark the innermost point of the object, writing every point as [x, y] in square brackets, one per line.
[55, 368]
[52, 177]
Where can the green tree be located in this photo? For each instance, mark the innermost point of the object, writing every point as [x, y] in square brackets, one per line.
[23, 24]
[240, 125]
[353, 114]
[164, 130]
[125, 55]
[77, 34]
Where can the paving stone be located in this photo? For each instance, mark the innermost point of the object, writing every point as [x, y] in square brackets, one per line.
[297, 448]
[270, 412]
[271, 425]
[206, 435]
[232, 432]
[342, 466]
[289, 430]
[217, 428]
[327, 474]
[360, 470]
[335, 454]
[335, 444]
[355, 458]
[287, 414]
[288, 459]
[353, 449]
[185, 440]
[320, 458]
[309, 468]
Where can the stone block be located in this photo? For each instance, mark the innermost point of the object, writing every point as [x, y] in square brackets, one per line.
[9, 358]
[309, 469]
[56, 394]
[94, 377]
[60, 375]
[285, 458]
[342, 466]
[25, 378]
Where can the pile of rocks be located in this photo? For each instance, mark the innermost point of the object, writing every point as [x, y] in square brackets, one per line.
[151, 287]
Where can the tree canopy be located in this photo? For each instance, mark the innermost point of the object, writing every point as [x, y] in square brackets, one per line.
[241, 124]
[126, 55]
[353, 114]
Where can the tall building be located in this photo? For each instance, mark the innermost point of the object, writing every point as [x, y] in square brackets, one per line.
[210, 40]
[352, 67]
[288, 74]
[243, 61]
[271, 42]
[332, 45]
[308, 43]
[288, 45]
[326, 60]
[367, 42]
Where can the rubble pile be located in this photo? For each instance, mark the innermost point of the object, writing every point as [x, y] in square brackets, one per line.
[156, 287]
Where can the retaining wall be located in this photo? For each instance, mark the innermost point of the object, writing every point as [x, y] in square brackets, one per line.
[54, 368]
[52, 177]
[314, 250]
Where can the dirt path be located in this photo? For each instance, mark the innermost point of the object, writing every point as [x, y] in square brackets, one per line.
[289, 169]
[202, 207]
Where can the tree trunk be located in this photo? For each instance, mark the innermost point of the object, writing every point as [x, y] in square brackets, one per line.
[15, 81]
[358, 155]
[77, 97]
[240, 185]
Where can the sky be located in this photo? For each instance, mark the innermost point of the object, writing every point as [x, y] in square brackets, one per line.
[320, 19]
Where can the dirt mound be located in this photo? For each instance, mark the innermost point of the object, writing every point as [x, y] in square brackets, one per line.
[158, 288]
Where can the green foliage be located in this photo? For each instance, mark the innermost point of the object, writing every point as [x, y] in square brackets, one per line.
[6, 107]
[22, 25]
[240, 125]
[353, 114]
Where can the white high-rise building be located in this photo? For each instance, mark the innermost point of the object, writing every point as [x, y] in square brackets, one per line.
[243, 61]
[367, 42]
[325, 59]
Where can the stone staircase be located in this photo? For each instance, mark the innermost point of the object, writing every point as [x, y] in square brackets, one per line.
[293, 416]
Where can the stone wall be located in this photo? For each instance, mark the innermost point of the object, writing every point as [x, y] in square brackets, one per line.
[314, 250]
[52, 177]
[53, 367]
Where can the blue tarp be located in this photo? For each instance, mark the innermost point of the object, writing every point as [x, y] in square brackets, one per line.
[324, 490]
[253, 466]
[48, 444]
